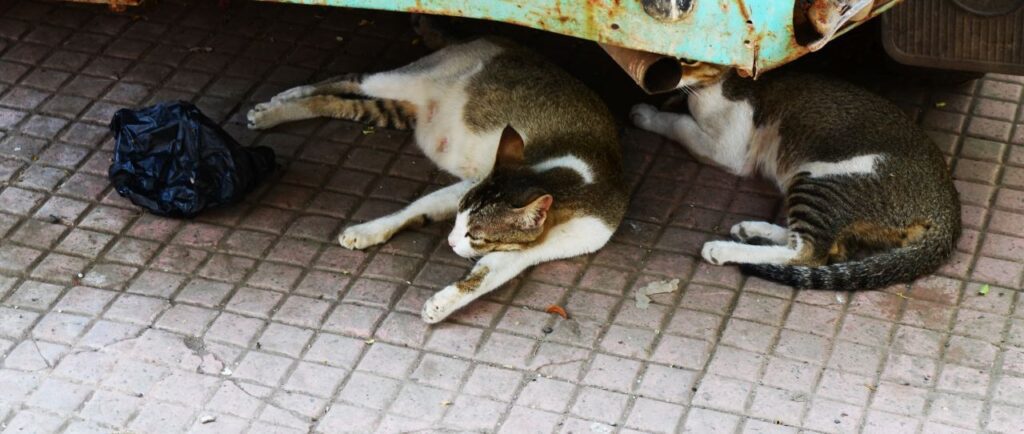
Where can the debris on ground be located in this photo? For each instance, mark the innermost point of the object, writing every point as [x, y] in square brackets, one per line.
[547, 330]
[369, 130]
[556, 309]
[200, 49]
[205, 419]
[983, 290]
[657, 287]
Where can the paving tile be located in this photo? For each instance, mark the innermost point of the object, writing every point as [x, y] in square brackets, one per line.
[722, 393]
[263, 368]
[546, 394]
[186, 388]
[495, 383]
[333, 350]
[955, 410]
[421, 402]
[599, 405]
[439, 371]
[700, 420]
[388, 360]
[234, 329]
[315, 379]
[159, 416]
[111, 408]
[472, 413]
[370, 390]
[521, 419]
[610, 372]
[784, 406]
[302, 311]
[33, 421]
[232, 398]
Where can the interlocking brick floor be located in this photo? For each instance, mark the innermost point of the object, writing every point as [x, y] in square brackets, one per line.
[252, 319]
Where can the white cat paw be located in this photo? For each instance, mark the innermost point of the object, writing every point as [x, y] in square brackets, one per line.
[717, 252]
[641, 115]
[261, 116]
[364, 235]
[442, 304]
[749, 230]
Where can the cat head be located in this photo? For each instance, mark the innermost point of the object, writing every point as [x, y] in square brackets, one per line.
[698, 74]
[507, 210]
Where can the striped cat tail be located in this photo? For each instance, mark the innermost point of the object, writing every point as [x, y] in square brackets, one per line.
[898, 265]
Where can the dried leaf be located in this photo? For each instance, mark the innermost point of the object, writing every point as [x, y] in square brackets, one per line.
[658, 287]
[556, 309]
[984, 289]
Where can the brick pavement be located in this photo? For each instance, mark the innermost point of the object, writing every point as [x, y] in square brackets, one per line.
[251, 319]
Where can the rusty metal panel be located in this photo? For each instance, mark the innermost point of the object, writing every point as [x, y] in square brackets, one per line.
[751, 35]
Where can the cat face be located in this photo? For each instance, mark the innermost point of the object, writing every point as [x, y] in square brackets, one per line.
[504, 212]
[699, 74]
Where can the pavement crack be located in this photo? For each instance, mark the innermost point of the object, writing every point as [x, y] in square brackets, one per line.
[40, 353]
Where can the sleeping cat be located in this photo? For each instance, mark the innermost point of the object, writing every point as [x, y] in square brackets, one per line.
[537, 152]
[869, 199]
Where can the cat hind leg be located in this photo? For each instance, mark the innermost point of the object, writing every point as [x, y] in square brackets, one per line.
[345, 84]
[382, 113]
[731, 252]
[759, 233]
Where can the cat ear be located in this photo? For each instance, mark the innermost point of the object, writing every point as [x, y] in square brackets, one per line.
[536, 212]
[510, 148]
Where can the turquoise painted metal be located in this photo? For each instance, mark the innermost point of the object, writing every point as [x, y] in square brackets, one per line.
[751, 35]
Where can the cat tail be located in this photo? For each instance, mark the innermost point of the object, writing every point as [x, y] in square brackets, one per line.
[898, 265]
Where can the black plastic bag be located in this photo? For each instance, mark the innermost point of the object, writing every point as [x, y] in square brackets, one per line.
[174, 161]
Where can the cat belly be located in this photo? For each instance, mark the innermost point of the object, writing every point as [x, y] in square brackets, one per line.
[443, 137]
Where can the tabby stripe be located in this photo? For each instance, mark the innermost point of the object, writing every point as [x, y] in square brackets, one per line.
[811, 218]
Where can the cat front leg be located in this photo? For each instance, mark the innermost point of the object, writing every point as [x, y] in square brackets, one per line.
[489, 273]
[439, 205]
[726, 148]
[579, 236]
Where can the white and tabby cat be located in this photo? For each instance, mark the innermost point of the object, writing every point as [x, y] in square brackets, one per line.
[869, 198]
[537, 151]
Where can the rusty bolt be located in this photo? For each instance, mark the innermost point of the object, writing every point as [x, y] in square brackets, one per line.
[667, 10]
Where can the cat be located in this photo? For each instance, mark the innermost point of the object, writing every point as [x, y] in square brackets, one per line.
[537, 153]
[869, 199]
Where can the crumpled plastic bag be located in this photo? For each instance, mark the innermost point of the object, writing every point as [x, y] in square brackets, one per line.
[174, 161]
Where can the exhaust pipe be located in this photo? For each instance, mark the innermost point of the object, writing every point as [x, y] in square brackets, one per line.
[654, 73]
